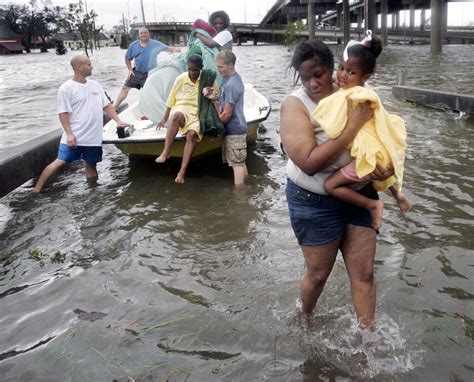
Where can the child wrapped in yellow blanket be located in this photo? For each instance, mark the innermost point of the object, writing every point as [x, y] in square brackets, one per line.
[381, 141]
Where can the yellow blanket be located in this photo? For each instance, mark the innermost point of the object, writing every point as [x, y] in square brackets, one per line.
[381, 140]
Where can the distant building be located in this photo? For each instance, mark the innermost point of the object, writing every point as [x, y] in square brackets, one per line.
[10, 42]
[115, 39]
[107, 41]
[72, 42]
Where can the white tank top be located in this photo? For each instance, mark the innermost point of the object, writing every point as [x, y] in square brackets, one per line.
[314, 183]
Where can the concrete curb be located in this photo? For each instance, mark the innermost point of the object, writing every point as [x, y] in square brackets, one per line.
[23, 162]
[436, 99]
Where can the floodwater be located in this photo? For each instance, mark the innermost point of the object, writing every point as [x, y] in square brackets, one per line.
[146, 280]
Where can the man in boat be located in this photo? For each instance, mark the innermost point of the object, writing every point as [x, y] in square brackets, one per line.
[230, 106]
[80, 106]
[143, 52]
[182, 109]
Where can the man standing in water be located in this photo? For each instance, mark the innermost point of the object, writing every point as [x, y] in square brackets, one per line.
[80, 106]
[231, 113]
[143, 52]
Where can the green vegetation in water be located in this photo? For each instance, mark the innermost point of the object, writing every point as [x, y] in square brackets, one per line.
[40, 256]
[125, 41]
[37, 255]
[58, 257]
[292, 32]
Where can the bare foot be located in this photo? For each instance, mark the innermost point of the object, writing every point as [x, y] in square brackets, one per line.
[180, 178]
[376, 212]
[162, 158]
[366, 324]
[403, 203]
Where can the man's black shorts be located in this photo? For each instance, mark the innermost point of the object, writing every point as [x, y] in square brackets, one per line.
[137, 80]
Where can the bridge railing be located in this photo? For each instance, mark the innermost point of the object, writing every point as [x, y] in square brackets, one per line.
[185, 23]
[160, 23]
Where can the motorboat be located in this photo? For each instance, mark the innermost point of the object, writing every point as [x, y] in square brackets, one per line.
[143, 138]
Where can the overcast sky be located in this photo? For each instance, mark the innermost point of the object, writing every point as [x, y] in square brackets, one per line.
[250, 11]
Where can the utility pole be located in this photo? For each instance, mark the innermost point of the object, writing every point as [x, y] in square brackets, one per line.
[143, 13]
[128, 11]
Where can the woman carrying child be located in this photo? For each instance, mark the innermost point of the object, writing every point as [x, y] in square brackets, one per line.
[322, 224]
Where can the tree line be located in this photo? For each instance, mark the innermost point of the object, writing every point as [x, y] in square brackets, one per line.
[40, 19]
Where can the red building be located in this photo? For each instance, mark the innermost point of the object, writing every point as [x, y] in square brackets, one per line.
[10, 42]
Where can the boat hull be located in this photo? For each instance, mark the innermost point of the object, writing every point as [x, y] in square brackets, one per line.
[206, 147]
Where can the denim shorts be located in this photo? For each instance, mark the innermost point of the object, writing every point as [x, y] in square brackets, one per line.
[91, 154]
[319, 219]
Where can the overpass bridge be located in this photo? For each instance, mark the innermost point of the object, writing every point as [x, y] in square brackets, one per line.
[328, 11]
[177, 33]
[342, 14]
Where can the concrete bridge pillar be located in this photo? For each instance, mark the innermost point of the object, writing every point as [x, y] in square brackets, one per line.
[339, 21]
[445, 17]
[383, 26]
[346, 21]
[311, 21]
[370, 16]
[423, 19]
[360, 16]
[437, 10]
[338, 15]
[412, 15]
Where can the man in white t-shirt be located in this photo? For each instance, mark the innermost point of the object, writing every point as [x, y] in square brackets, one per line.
[223, 39]
[80, 107]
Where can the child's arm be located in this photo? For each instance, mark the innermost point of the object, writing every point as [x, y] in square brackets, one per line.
[403, 202]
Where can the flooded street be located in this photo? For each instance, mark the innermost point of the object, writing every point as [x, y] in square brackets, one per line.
[137, 278]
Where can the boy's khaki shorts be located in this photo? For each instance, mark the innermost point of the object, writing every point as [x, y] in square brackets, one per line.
[234, 150]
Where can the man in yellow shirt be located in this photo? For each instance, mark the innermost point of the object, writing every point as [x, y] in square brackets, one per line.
[182, 108]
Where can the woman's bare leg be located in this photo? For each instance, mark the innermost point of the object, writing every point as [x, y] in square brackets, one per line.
[358, 250]
[319, 262]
